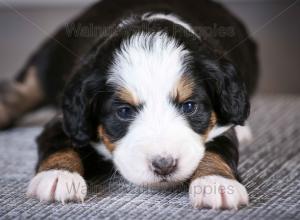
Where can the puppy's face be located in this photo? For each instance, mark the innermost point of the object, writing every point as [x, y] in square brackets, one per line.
[157, 111]
[158, 117]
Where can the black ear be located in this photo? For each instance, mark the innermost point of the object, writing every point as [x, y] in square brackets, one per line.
[228, 92]
[75, 112]
[81, 105]
[85, 93]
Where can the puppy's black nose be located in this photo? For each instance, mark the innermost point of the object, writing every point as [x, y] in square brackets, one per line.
[163, 165]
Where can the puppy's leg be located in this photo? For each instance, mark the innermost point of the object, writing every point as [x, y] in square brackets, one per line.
[19, 97]
[60, 168]
[40, 81]
[215, 183]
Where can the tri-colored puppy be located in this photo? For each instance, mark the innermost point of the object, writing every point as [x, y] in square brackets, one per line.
[158, 91]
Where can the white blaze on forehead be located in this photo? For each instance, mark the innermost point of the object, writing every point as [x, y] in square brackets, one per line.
[148, 65]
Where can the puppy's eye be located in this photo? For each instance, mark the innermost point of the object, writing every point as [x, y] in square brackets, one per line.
[125, 113]
[188, 108]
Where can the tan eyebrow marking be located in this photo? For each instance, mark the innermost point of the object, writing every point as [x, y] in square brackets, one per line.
[127, 96]
[184, 89]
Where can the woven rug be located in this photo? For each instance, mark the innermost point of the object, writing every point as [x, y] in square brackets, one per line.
[270, 168]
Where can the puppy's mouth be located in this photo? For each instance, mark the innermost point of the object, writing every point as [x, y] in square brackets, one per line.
[166, 179]
[163, 180]
[162, 183]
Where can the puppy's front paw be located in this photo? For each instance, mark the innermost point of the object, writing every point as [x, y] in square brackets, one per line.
[217, 192]
[57, 185]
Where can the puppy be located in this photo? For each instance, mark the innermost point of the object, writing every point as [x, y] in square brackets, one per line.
[157, 90]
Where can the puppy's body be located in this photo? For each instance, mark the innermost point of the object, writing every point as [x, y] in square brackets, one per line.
[154, 91]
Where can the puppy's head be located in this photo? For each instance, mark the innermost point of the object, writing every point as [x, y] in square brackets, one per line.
[153, 99]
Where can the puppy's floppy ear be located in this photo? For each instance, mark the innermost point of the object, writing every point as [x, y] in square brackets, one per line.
[75, 112]
[85, 93]
[78, 104]
[228, 92]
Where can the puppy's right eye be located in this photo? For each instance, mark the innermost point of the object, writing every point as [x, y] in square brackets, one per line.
[125, 113]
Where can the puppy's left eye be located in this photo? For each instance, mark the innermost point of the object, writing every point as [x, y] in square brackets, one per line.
[188, 107]
[125, 113]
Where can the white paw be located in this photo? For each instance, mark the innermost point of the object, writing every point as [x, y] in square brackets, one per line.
[57, 185]
[244, 134]
[217, 192]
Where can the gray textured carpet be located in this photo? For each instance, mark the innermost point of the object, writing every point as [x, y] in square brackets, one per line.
[269, 166]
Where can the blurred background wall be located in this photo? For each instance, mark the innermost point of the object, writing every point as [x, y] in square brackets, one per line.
[275, 24]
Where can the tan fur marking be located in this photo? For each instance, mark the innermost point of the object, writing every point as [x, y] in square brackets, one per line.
[212, 123]
[105, 139]
[66, 159]
[20, 97]
[126, 96]
[184, 89]
[213, 164]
